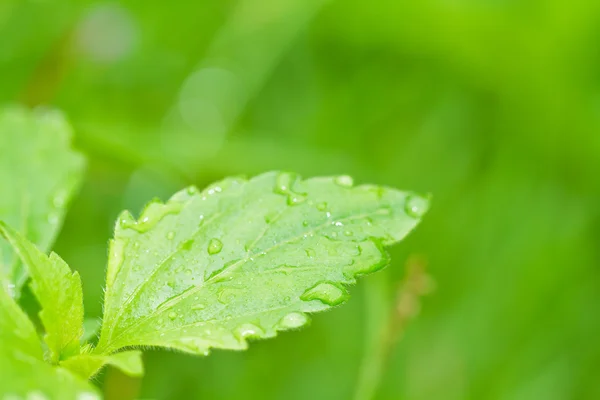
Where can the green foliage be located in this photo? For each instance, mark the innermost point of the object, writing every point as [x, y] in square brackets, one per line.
[245, 259]
[58, 290]
[25, 373]
[38, 174]
[491, 105]
[242, 259]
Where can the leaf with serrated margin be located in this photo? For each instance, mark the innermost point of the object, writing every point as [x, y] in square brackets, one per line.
[23, 372]
[58, 290]
[39, 172]
[245, 259]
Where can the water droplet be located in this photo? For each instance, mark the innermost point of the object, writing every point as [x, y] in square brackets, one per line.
[60, 199]
[322, 206]
[348, 233]
[310, 253]
[225, 296]
[136, 244]
[337, 223]
[191, 190]
[187, 245]
[270, 217]
[305, 223]
[327, 292]
[247, 330]
[416, 206]
[171, 283]
[198, 307]
[12, 291]
[53, 218]
[171, 235]
[295, 198]
[215, 246]
[344, 181]
[172, 315]
[188, 271]
[283, 182]
[293, 320]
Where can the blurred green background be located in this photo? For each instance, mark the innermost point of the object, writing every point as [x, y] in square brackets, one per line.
[491, 105]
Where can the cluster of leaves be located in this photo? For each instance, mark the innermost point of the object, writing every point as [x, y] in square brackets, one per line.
[207, 269]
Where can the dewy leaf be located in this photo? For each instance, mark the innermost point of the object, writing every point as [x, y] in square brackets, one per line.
[38, 174]
[23, 372]
[58, 291]
[245, 259]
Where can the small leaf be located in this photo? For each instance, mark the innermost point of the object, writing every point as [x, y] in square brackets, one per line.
[245, 259]
[38, 175]
[24, 373]
[88, 365]
[58, 291]
[17, 333]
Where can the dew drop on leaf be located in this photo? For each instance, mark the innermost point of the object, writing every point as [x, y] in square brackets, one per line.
[60, 199]
[322, 206]
[172, 315]
[283, 182]
[326, 292]
[270, 217]
[247, 330]
[198, 307]
[293, 320]
[344, 181]
[295, 198]
[215, 246]
[416, 206]
[53, 218]
[171, 235]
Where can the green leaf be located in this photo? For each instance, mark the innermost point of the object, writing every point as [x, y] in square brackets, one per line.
[38, 174]
[24, 373]
[17, 333]
[245, 259]
[88, 365]
[58, 291]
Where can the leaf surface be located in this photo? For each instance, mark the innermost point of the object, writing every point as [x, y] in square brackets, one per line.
[245, 259]
[38, 175]
[88, 365]
[23, 371]
[58, 291]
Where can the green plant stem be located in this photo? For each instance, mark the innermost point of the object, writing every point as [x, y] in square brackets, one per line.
[386, 321]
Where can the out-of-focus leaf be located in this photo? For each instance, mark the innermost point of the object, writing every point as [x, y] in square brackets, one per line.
[245, 259]
[58, 291]
[38, 174]
[25, 374]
